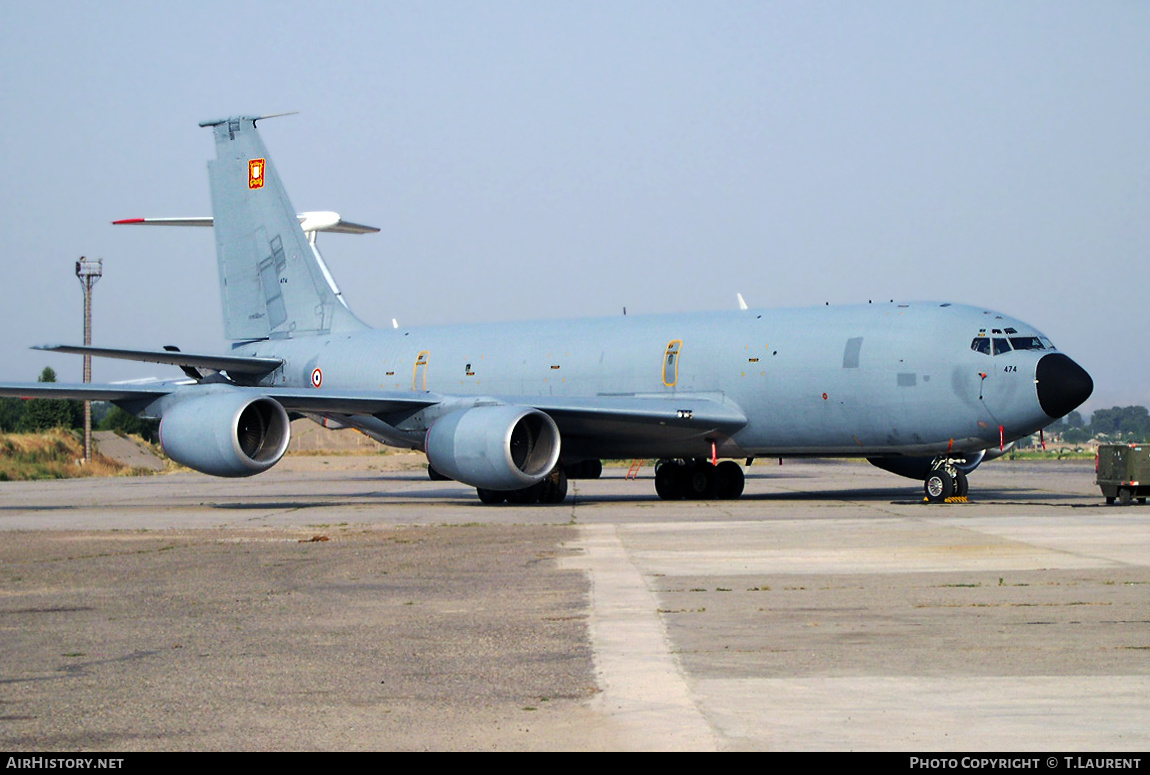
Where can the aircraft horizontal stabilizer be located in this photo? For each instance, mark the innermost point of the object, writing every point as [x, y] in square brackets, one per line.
[314, 220]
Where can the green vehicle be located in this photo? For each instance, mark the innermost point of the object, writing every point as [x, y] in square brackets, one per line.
[1123, 472]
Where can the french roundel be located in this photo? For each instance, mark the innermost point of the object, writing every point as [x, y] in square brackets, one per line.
[316, 377]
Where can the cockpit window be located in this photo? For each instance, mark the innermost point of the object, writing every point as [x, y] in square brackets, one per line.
[997, 345]
[1026, 343]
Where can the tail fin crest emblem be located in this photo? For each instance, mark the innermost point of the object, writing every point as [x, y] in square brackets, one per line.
[256, 173]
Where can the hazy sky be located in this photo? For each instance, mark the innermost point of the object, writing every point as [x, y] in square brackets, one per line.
[539, 159]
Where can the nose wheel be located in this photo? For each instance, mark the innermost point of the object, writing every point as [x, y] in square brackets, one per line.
[945, 481]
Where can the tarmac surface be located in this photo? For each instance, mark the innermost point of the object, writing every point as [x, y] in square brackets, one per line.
[347, 602]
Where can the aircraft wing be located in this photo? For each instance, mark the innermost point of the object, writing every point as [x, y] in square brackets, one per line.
[349, 402]
[606, 422]
[631, 426]
[676, 415]
[230, 363]
[86, 392]
[678, 410]
[593, 416]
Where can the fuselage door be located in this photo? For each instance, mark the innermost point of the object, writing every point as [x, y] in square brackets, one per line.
[987, 391]
[419, 371]
[671, 363]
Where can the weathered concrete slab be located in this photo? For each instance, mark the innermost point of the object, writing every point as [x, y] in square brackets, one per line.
[127, 451]
[827, 609]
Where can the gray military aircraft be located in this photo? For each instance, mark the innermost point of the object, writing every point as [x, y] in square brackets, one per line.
[927, 390]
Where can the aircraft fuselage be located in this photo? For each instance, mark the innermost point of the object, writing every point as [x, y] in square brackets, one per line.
[866, 380]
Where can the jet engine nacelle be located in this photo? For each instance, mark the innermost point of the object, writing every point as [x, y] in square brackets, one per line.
[226, 434]
[499, 447]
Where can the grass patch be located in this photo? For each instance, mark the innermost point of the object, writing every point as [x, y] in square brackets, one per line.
[56, 454]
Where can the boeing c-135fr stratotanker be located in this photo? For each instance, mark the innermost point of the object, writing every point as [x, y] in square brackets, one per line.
[926, 389]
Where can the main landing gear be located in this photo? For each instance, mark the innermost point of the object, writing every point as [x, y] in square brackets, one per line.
[552, 489]
[695, 479]
[945, 480]
[698, 479]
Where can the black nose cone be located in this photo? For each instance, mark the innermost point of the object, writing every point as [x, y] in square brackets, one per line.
[1062, 385]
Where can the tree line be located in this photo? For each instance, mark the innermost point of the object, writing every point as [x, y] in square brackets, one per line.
[1118, 423]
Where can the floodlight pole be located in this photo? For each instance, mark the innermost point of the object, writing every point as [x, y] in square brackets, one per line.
[89, 272]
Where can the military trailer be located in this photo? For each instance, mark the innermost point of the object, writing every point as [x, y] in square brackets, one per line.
[1123, 472]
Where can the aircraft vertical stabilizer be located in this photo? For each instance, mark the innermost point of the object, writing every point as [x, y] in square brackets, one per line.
[271, 283]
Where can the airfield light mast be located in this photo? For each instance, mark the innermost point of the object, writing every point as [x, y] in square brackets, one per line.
[89, 272]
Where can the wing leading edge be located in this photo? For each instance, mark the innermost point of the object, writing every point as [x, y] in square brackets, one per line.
[234, 364]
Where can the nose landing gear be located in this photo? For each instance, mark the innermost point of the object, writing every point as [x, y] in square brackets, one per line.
[945, 482]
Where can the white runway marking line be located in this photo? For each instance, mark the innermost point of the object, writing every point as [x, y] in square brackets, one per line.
[642, 685]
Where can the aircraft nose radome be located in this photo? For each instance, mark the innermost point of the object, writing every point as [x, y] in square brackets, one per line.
[1062, 384]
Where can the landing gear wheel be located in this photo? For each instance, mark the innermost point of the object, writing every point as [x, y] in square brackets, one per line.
[668, 481]
[554, 487]
[730, 480]
[961, 484]
[939, 486]
[701, 481]
[491, 497]
[525, 496]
